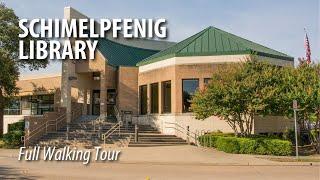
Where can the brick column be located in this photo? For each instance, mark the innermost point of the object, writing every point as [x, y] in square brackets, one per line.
[66, 88]
[85, 99]
[148, 98]
[103, 93]
[201, 83]
[160, 97]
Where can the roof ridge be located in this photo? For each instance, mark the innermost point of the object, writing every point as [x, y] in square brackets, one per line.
[224, 43]
[177, 44]
[197, 35]
[233, 37]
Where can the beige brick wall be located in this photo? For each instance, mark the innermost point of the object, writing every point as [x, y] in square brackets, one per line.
[160, 75]
[128, 89]
[192, 71]
[176, 74]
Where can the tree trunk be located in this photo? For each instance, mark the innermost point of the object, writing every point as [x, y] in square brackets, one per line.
[240, 123]
[317, 133]
[1, 111]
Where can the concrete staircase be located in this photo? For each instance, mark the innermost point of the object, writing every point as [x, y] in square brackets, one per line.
[82, 133]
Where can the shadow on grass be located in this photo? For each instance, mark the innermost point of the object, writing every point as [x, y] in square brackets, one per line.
[13, 173]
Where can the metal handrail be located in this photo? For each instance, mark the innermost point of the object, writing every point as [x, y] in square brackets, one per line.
[186, 131]
[42, 127]
[111, 131]
[117, 126]
[96, 121]
[76, 112]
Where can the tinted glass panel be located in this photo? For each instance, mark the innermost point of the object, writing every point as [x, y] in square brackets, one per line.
[143, 99]
[166, 97]
[189, 86]
[154, 98]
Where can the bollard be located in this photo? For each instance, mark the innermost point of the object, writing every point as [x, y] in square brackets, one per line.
[196, 140]
[188, 134]
[67, 131]
[99, 132]
[136, 133]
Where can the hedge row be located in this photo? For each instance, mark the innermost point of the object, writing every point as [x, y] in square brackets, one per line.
[12, 139]
[18, 126]
[238, 145]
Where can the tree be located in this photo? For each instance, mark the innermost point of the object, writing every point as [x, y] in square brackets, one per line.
[303, 84]
[9, 62]
[237, 93]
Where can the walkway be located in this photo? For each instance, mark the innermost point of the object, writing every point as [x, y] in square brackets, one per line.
[171, 162]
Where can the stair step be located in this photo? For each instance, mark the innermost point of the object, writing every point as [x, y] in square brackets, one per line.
[83, 131]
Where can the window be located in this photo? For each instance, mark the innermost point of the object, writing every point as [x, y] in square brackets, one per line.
[111, 101]
[166, 97]
[37, 104]
[44, 103]
[143, 99]
[13, 108]
[207, 80]
[111, 96]
[189, 86]
[154, 98]
[96, 76]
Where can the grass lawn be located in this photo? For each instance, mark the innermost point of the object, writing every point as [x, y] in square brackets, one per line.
[314, 158]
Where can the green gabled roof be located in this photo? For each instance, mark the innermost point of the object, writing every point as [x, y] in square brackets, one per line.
[213, 41]
[122, 55]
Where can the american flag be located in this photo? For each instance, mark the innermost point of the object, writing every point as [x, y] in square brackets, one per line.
[308, 50]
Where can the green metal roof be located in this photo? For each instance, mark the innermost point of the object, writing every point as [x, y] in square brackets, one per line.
[213, 41]
[122, 55]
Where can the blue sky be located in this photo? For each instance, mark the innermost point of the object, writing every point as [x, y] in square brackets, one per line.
[273, 23]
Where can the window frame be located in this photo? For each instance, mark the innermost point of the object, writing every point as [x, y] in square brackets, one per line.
[182, 98]
[163, 108]
[152, 99]
[140, 100]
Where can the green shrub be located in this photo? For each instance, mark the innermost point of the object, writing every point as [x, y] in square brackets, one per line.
[279, 147]
[2, 144]
[13, 138]
[18, 126]
[228, 144]
[247, 146]
[250, 145]
[207, 140]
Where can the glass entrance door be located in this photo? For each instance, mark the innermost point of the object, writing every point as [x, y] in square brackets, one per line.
[111, 102]
[96, 102]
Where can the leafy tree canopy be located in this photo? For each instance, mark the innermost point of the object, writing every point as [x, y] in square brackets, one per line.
[9, 53]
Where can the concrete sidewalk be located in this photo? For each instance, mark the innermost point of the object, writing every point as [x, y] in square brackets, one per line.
[167, 162]
[186, 155]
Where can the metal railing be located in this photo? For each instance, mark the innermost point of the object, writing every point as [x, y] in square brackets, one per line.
[75, 114]
[115, 127]
[186, 131]
[43, 127]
